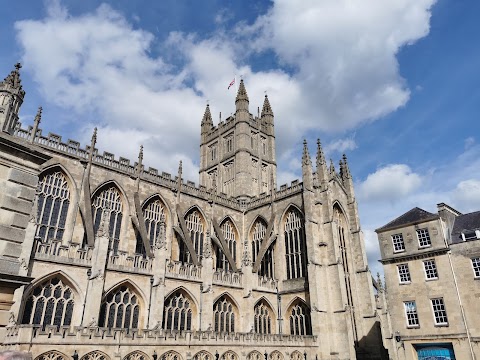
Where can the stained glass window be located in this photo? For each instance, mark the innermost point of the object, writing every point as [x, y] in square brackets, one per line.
[177, 314]
[154, 216]
[300, 320]
[120, 309]
[263, 318]
[228, 231]
[109, 199]
[294, 245]
[224, 316]
[194, 222]
[258, 234]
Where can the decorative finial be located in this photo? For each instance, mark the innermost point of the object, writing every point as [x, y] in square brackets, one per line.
[180, 168]
[332, 167]
[94, 137]
[18, 66]
[306, 155]
[140, 155]
[38, 117]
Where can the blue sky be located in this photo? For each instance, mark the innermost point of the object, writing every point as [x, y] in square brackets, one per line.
[393, 84]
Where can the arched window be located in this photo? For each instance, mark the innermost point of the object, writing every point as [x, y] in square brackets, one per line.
[50, 303]
[177, 313]
[275, 355]
[294, 245]
[255, 355]
[258, 233]
[228, 231]
[296, 355]
[340, 220]
[229, 355]
[52, 355]
[194, 222]
[109, 200]
[224, 316]
[136, 355]
[95, 355]
[53, 199]
[171, 355]
[263, 318]
[120, 309]
[300, 319]
[203, 355]
[154, 215]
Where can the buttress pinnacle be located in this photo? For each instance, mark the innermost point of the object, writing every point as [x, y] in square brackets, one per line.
[266, 109]
[13, 80]
[207, 116]
[306, 156]
[320, 154]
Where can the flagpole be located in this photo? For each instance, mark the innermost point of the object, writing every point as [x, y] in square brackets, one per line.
[235, 82]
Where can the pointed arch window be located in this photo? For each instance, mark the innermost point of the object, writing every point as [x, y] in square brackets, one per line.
[229, 234]
[295, 251]
[300, 323]
[255, 355]
[95, 355]
[120, 309]
[203, 355]
[195, 226]
[49, 303]
[154, 215]
[224, 316]
[53, 200]
[109, 200]
[136, 355]
[263, 318]
[51, 355]
[177, 313]
[341, 222]
[258, 234]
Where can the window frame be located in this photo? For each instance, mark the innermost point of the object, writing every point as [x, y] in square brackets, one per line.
[433, 269]
[407, 273]
[396, 237]
[439, 313]
[422, 237]
[476, 267]
[411, 317]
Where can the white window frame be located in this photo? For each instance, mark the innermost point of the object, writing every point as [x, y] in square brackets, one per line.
[439, 312]
[424, 235]
[431, 270]
[411, 314]
[476, 267]
[404, 276]
[397, 239]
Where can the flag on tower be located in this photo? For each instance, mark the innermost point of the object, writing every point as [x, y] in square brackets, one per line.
[231, 84]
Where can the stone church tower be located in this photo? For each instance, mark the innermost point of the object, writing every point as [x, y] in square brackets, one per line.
[115, 260]
[237, 157]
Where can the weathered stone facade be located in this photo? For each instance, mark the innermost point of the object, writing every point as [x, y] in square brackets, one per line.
[432, 284]
[127, 262]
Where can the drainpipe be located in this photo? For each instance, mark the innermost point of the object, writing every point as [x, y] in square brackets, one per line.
[449, 253]
[149, 302]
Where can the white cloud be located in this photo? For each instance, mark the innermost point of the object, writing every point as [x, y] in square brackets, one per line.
[343, 54]
[389, 184]
[341, 145]
[467, 195]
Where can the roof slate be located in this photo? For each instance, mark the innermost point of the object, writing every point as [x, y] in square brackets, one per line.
[414, 215]
[465, 222]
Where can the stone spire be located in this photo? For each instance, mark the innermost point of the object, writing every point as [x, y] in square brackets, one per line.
[11, 99]
[267, 116]
[36, 123]
[207, 121]
[266, 109]
[322, 172]
[332, 168]
[307, 172]
[241, 101]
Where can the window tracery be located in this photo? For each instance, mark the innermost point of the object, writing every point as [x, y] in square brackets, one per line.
[120, 309]
[51, 355]
[229, 234]
[50, 303]
[296, 355]
[53, 200]
[109, 200]
[171, 355]
[275, 355]
[224, 316]
[203, 355]
[300, 320]
[194, 222]
[255, 355]
[177, 313]
[229, 355]
[136, 355]
[294, 245]
[95, 355]
[154, 216]
[263, 318]
[258, 234]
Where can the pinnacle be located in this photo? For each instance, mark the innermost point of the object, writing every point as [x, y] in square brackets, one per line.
[207, 116]
[320, 154]
[267, 109]
[38, 117]
[242, 92]
[13, 79]
[306, 156]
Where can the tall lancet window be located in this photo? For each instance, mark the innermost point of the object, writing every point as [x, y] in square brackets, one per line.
[109, 199]
[300, 323]
[342, 234]
[195, 226]
[224, 315]
[294, 245]
[258, 234]
[263, 318]
[228, 231]
[120, 309]
[53, 199]
[178, 312]
[154, 215]
[49, 303]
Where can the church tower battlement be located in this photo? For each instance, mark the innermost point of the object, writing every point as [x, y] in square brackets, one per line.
[237, 157]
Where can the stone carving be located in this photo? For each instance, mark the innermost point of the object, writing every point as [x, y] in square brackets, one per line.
[104, 228]
[207, 248]
[11, 319]
[161, 241]
[246, 261]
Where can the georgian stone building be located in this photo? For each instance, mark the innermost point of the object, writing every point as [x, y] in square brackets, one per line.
[120, 261]
[432, 280]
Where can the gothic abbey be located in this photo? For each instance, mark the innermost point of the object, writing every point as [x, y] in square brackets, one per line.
[104, 259]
